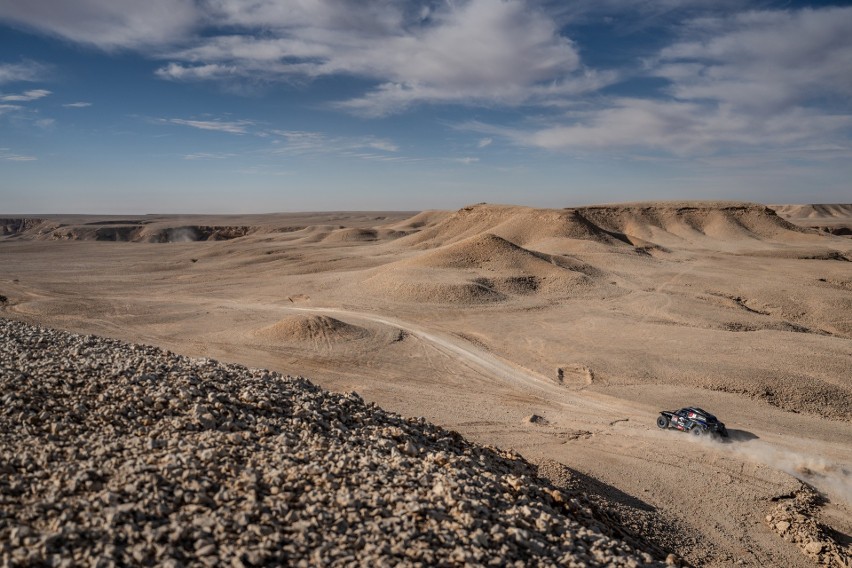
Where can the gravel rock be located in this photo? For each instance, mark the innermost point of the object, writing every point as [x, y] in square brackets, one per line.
[116, 454]
[794, 519]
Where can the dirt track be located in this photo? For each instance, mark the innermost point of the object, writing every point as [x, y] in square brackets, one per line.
[751, 327]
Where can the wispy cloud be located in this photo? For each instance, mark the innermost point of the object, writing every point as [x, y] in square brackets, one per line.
[208, 156]
[232, 127]
[467, 160]
[108, 24]
[9, 108]
[181, 72]
[298, 142]
[24, 71]
[7, 155]
[26, 96]
[484, 142]
[80, 104]
[677, 128]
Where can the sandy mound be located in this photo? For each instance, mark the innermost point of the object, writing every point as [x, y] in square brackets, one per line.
[357, 235]
[420, 221]
[521, 225]
[311, 328]
[350, 235]
[482, 268]
[431, 286]
[489, 252]
[313, 234]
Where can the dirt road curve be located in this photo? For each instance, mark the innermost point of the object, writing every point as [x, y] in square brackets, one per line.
[663, 476]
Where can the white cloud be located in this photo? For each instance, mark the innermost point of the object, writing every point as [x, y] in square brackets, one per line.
[232, 127]
[7, 155]
[491, 52]
[77, 105]
[484, 142]
[384, 145]
[45, 123]
[107, 24]
[467, 160]
[9, 108]
[25, 71]
[26, 96]
[208, 156]
[484, 52]
[762, 61]
[758, 79]
[179, 72]
[296, 142]
[678, 128]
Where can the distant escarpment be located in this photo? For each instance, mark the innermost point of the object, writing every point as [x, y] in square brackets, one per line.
[636, 225]
[123, 231]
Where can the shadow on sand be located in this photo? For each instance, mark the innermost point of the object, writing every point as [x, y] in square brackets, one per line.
[636, 521]
[739, 436]
[591, 485]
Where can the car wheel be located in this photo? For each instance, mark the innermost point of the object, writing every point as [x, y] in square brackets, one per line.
[697, 430]
[662, 422]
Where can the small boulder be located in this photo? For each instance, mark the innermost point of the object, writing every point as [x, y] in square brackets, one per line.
[814, 547]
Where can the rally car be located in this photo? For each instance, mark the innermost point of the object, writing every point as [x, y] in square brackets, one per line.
[693, 420]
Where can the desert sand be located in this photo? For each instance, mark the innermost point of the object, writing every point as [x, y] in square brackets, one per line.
[557, 333]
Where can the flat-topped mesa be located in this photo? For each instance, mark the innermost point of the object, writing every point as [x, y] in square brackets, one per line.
[120, 230]
[628, 224]
[815, 211]
[17, 225]
[722, 220]
[832, 218]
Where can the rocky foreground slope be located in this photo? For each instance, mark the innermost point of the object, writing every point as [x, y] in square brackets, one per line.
[114, 454]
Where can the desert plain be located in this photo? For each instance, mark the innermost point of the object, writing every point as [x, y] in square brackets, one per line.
[557, 333]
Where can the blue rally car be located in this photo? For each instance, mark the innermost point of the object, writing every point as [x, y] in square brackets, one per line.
[692, 419]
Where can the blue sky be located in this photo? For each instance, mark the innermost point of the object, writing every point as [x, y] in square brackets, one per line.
[121, 106]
